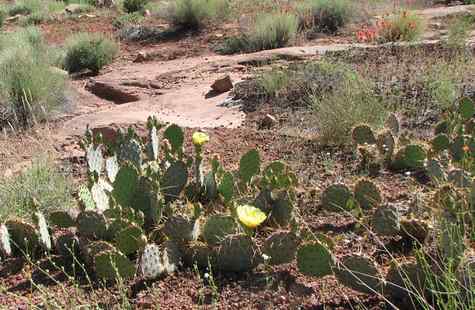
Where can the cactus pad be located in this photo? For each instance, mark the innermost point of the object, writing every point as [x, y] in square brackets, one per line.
[249, 165]
[278, 175]
[131, 151]
[181, 229]
[435, 172]
[112, 265]
[130, 239]
[386, 221]
[367, 194]
[415, 229]
[151, 262]
[23, 236]
[67, 244]
[100, 197]
[282, 212]
[410, 157]
[210, 186]
[392, 123]
[112, 168]
[359, 273]
[174, 180]
[226, 187]
[90, 249]
[281, 247]
[386, 144]
[466, 108]
[217, 227]
[153, 145]
[95, 160]
[5, 246]
[199, 253]
[405, 279]
[125, 185]
[43, 233]
[336, 197]
[440, 143]
[61, 219]
[236, 253]
[456, 148]
[175, 136]
[91, 224]
[362, 134]
[314, 259]
[85, 199]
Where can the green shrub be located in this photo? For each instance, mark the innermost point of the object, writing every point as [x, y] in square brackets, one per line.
[270, 30]
[350, 102]
[459, 31]
[88, 51]
[131, 6]
[127, 20]
[3, 15]
[325, 15]
[43, 181]
[29, 87]
[194, 14]
[405, 26]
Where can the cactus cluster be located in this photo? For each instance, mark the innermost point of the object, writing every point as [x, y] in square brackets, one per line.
[386, 149]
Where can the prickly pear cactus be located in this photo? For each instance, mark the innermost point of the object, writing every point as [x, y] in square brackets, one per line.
[466, 108]
[456, 148]
[175, 136]
[67, 244]
[125, 185]
[91, 224]
[404, 279]
[210, 186]
[217, 227]
[363, 134]
[112, 265]
[131, 151]
[392, 123]
[112, 168]
[23, 236]
[440, 143]
[278, 176]
[174, 180]
[151, 262]
[100, 197]
[85, 199]
[226, 187]
[89, 250]
[410, 157]
[199, 253]
[359, 273]
[435, 172]
[460, 178]
[61, 219]
[42, 230]
[386, 221]
[386, 144]
[367, 194]
[282, 212]
[335, 197]
[171, 256]
[315, 259]
[5, 246]
[95, 160]
[264, 201]
[415, 229]
[130, 239]
[182, 229]
[236, 253]
[249, 165]
[153, 145]
[281, 247]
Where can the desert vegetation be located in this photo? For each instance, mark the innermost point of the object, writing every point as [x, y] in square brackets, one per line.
[272, 154]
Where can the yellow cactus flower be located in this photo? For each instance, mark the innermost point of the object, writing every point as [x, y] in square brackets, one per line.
[250, 216]
[200, 138]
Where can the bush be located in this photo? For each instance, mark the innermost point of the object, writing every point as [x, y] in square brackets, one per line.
[3, 15]
[194, 14]
[131, 6]
[325, 15]
[350, 102]
[405, 26]
[88, 51]
[126, 20]
[43, 181]
[30, 89]
[271, 30]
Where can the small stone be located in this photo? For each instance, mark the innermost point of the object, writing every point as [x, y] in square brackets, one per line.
[222, 85]
[73, 8]
[141, 57]
[267, 122]
[147, 13]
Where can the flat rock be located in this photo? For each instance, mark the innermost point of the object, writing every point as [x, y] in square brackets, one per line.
[112, 91]
[222, 85]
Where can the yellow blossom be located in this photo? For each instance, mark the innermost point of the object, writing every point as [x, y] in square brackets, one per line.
[250, 216]
[200, 138]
